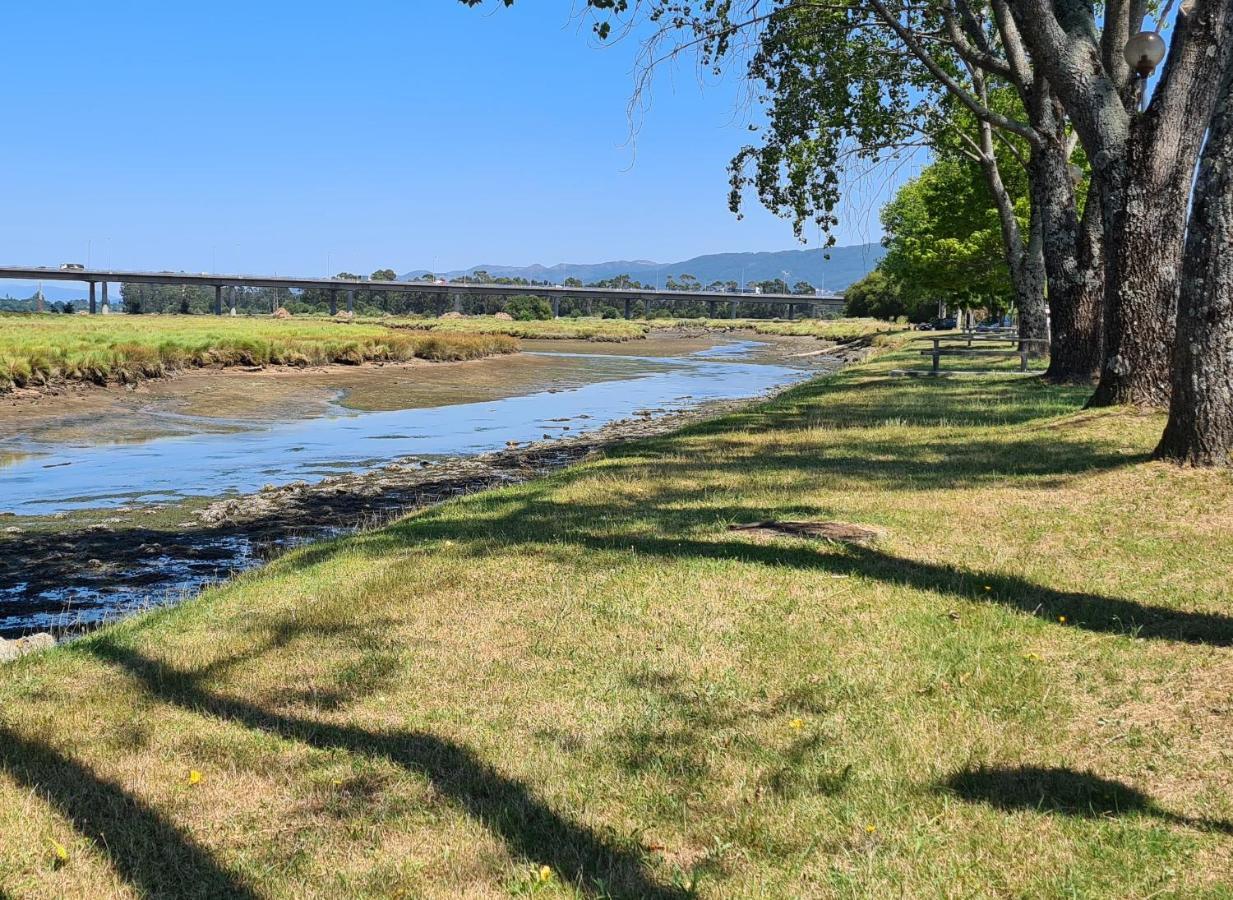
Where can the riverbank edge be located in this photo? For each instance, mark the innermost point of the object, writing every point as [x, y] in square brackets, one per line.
[343, 505]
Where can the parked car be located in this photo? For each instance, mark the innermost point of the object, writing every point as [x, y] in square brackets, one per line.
[944, 324]
[924, 326]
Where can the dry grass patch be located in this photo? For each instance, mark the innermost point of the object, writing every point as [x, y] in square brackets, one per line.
[1017, 690]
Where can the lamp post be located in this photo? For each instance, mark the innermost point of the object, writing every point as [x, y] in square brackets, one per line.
[1143, 53]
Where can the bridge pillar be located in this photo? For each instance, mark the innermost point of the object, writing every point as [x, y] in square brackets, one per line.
[457, 303]
[556, 307]
[334, 301]
[218, 299]
[732, 308]
[791, 311]
[350, 301]
[106, 305]
[629, 308]
[231, 298]
[92, 309]
[588, 306]
[710, 309]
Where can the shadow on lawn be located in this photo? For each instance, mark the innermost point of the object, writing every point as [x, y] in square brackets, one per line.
[537, 521]
[1066, 792]
[1089, 611]
[145, 849]
[506, 806]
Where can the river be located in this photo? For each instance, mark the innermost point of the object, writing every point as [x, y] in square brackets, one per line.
[86, 481]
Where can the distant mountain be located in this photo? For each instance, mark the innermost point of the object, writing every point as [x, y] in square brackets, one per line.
[844, 266]
[52, 292]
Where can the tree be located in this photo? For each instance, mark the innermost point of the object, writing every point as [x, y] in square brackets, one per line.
[875, 295]
[804, 288]
[943, 239]
[1142, 162]
[1200, 427]
[863, 80]
[527, 308]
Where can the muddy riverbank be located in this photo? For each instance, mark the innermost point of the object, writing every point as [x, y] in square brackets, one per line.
[73, 571]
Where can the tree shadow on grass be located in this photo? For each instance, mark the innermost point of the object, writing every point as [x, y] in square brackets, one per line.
[1065, 792]
[506, 806]
[1093, 612]
[145, 849]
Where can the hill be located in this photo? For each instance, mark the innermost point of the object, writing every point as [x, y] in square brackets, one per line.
[844, 266]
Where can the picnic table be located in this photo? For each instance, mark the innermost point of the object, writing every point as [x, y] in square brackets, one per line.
[969, 343]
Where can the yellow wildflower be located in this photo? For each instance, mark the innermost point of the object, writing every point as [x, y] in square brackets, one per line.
[797, 724]
[60, 851]
[194, 777]
[1062, 619]
[545, 874]
[870, 829]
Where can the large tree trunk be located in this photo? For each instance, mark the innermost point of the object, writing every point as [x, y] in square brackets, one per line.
[1145, 198]
[1145, 162]
[1147, 194]
[1200, 428]
[1074, 263]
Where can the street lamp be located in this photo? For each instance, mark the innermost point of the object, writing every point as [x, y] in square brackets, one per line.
[1144, 52]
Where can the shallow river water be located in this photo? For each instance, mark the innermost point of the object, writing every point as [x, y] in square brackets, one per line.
[216, 435]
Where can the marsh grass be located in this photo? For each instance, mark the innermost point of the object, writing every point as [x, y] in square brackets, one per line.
[595, 329]
[842, 330]
[42, 349]
[1021, 689]
[582, 329]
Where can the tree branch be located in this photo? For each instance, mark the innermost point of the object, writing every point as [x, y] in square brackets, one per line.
[980, 110]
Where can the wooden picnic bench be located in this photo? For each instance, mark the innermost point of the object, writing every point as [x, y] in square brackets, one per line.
[969, 339]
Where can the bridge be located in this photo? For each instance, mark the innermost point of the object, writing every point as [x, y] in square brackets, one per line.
[347, 289]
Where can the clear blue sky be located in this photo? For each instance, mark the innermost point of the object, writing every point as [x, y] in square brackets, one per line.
[310, 137]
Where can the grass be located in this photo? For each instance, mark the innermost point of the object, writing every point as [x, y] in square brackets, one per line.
[824, 329]
[41, 349]
[1020, 689]
[583, 329]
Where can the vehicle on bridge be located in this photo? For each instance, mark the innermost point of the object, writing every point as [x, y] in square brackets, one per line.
[72, 267]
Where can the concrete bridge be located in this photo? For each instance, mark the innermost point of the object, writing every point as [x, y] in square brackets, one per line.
[347, 288]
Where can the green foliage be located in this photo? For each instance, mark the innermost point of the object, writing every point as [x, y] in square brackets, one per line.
[875, 295]
[944, 239]
[526, 308]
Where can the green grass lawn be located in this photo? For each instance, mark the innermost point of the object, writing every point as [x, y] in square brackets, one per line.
[589, 686]
[40, 349]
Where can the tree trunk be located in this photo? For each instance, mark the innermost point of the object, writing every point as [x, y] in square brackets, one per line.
[1145, 162]
[1145, 200]
[1200, 427]
[1030, 289]
[1074, 264]
[1146, 208]
[1025, 260]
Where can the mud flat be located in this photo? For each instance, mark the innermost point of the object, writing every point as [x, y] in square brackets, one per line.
[74, 570]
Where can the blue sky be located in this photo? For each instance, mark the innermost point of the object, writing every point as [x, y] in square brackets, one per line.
[311, 137]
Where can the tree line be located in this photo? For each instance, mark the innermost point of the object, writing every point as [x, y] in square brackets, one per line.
[167, 299]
